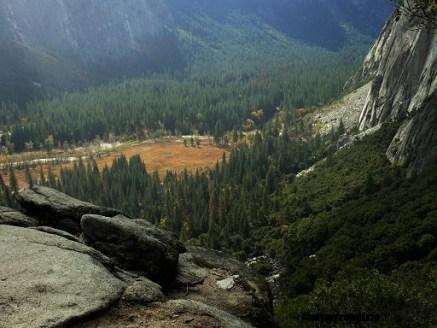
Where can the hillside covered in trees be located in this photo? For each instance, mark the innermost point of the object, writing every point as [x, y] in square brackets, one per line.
[207, 103]
[89, 43]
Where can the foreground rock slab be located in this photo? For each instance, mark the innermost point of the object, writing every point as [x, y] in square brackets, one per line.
[49, 281]
[58, 210]
[133, 246]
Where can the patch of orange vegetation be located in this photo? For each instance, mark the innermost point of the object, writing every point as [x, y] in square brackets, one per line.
[163, 157]
[160, 156]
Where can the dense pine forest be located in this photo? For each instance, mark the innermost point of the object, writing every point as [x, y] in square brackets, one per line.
[192, 103]
[215, 207]
[350, 234]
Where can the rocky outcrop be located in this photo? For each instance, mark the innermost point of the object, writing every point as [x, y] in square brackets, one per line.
[50, 281]
[189, 273]
[403, 68]
[13, 217]
[213, 278]
[58, 210]
[100, 278]
[133, 246]
[346, 110]
[162, 235]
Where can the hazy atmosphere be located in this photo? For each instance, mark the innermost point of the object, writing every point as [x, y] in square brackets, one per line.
[232, 163]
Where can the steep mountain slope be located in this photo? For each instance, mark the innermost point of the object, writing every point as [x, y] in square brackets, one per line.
[95, 29]
[403, 66]
[98, 40]
[27, 73]
[360, 235]
[359, 238]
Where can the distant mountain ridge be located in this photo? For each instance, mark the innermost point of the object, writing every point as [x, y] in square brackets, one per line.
[101, 39]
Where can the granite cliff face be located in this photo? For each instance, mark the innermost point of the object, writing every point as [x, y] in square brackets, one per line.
[403, 68]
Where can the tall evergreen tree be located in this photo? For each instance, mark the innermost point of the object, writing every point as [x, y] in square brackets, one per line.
[13, 182]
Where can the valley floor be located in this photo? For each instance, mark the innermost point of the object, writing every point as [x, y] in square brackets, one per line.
[162, 155]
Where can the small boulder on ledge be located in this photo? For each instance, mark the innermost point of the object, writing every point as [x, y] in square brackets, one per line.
[228, 283]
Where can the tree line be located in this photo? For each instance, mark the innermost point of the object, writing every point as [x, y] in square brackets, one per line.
[171, 105]
[214, 208]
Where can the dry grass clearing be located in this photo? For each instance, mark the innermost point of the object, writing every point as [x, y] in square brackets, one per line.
[170, 156]
[159, 156]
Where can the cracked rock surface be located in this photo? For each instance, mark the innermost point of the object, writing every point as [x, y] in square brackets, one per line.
[49, 281]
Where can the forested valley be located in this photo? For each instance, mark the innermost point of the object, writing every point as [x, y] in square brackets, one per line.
[349, 234]
[193, 103]
[329, 217]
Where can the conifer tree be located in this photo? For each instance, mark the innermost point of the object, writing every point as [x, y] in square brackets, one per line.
[29, 178]
[42, 178]
[13, 182]
[7, 197]
[51, 178]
